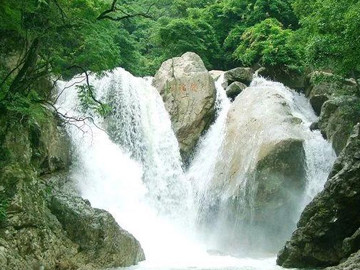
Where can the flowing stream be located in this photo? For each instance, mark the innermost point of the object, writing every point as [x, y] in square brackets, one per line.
[130, 165]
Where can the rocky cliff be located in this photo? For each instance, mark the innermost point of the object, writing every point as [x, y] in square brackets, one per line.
[329, 228]
[334, 99]
[188, 92]
[43, 226]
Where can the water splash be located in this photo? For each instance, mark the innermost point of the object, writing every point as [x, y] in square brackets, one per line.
[226, 189]
[133, 170]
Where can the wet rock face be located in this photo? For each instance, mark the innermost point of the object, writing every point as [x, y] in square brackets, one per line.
[329, 227]
[188, 92]
[260, 173]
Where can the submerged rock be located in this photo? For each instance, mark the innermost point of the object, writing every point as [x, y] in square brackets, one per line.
[329, 227]
[188, 92]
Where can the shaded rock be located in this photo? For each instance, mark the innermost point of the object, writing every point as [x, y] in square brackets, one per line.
[235, 89]
[337, 118]
[259, 174]
[188, 92]
[328, 230]
[239, 74]
[101, 240]
[317, 102]
[351, 263]
[292, 79]
[320, 86]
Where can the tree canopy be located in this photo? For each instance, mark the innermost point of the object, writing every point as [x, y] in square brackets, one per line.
[59, 38]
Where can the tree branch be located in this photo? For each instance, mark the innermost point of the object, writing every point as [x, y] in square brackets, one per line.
[106, 13]
[91, 93]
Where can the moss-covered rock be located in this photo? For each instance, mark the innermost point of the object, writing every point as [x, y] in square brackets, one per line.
[337, 119]
[32, 232]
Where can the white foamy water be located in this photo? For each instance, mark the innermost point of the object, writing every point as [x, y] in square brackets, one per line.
[224, 174]
[129, 164]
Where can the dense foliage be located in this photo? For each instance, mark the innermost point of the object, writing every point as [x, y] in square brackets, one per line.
[39, 38]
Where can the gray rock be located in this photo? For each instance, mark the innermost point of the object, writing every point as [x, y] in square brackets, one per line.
[239, 74]
[235, 89]
[31, 236]
[321, 86]
[351, 263]
[189, 95]
[101, 240]
[260, 173]
[337, 118]
[328, 230]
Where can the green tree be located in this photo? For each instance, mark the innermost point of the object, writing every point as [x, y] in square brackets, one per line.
[182, 35]
[331, 28]
[268, 44]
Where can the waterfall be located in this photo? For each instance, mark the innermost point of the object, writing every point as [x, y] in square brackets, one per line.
[224, 200]
[129, 164]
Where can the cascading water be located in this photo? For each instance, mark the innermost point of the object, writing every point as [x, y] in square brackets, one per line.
[134, 171]
[226, 197]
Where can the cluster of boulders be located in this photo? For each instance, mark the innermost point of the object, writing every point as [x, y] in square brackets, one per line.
[328, 232]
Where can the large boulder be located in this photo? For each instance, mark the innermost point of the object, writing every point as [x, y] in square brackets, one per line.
[329, 227]
[259, 175]
[101, 240]
[189, 93]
